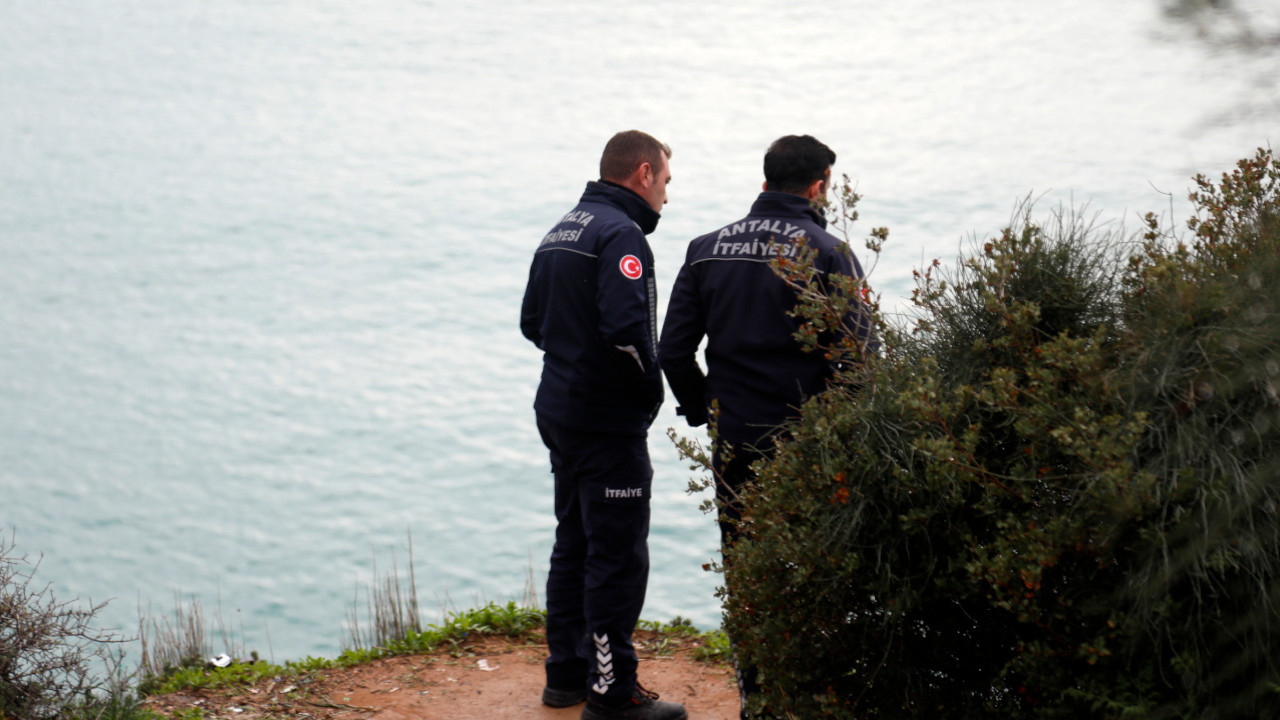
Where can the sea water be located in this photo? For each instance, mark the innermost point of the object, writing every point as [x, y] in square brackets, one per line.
[261, 261]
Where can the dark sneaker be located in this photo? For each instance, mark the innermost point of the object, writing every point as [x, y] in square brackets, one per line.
[563, 698]
[642, 705]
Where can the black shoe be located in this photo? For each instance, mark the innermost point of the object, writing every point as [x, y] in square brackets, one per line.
[642, 705]
[563, 698]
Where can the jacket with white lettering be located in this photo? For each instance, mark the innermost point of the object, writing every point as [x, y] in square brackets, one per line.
[727, 291]
[591, 307]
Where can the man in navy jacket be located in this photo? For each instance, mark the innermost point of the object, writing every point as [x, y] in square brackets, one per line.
[726, 291]
[591, 307]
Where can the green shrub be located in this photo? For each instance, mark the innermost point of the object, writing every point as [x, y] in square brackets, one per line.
[1056, 493]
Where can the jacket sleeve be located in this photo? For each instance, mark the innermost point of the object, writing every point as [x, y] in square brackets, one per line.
[682, 331]
[625, 286]
[842, 261]
[530, 311]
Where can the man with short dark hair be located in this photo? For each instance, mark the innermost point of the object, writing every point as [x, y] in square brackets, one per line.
[757, 371]
[591, 307]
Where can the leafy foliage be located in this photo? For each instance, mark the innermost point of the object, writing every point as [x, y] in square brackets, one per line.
[1054, 495]
[709, 647]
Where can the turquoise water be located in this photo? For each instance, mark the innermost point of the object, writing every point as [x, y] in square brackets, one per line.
[261, 262]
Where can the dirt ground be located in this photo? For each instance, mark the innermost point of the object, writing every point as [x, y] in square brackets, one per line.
[492, 677]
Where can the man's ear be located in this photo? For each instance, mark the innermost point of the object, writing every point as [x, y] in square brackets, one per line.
[645, 175]
[815, 189]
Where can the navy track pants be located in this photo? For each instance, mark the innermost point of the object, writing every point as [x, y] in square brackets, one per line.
[732, 465]
[600, 563]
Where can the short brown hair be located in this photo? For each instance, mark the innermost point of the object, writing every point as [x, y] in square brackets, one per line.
[627, 151]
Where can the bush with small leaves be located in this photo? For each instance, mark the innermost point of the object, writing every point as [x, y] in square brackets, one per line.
[1056, 494]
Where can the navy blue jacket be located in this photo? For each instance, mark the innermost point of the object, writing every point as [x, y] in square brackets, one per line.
[727, 291]
[591, 306]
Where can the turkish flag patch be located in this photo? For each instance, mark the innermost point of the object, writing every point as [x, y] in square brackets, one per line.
[631, 267]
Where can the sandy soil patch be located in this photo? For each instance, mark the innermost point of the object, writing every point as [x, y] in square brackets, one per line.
[489, 677]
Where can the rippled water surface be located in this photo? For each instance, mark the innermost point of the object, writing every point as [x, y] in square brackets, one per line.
[261, 262]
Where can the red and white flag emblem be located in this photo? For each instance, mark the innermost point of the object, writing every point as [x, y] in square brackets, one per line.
[631, 267]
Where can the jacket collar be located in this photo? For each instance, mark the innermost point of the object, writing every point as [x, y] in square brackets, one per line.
[626, 200]
[775, 204]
